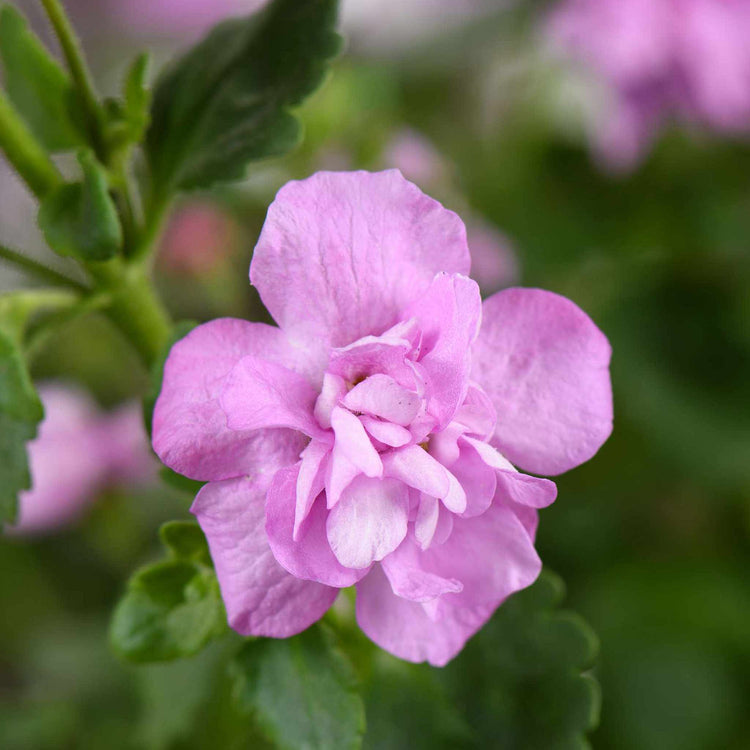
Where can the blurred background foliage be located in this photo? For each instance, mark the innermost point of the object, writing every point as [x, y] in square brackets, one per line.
[651, 537]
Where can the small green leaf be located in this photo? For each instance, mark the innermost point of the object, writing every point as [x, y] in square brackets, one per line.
[20, 413]
[172, 609]
[521, 680]
[80, 219]
[127, 120]
[226, 102]
[186, 541]
[302, 691]
[137, 95]
[38, 87]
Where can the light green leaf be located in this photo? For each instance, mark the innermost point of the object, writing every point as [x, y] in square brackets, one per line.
[38, 87]
[226, 102]
[185, 540]
[301, 690]
[80, 219]
[172, 609]
[20, 413]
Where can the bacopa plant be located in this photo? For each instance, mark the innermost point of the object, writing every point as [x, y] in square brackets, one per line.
[386, 436]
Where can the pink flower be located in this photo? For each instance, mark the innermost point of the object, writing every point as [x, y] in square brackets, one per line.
[662, 58]
[368, 439]
[199, 238]
[77, 452]
[416, 157]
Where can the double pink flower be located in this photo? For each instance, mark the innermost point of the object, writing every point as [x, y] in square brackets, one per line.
[371, 438]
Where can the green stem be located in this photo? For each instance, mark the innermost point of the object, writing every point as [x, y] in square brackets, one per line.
[156, 213]
[135, 307]
[24, 152]
[39, 270]
[79, 71]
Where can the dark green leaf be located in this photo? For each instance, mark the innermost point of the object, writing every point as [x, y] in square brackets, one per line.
[179, 331]
[172, 609]
[38, 87]
[432, 721]
[520, 682]
[174, 698]
[226, 102]
[20, 412]
[186, 541]
[301, 690]
[80, 219]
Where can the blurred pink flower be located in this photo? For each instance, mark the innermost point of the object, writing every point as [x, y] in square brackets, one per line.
[493, 259]
[494, 264]
[416, 157]
[198, 240]
[688, 59]
[368, 439]
[77, 452]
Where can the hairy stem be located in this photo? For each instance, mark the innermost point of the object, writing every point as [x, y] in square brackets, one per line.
[39, 270]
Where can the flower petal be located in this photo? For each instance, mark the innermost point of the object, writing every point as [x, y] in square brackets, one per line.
[449, 314]
[545, 366]
[410, 581]
[342, 253]
[381, 396]
[491, 555]
[190, 433]
[386, 353]
[405, 629]
[477, 479]
[416, 468]
[369, 521]
[387, 433]
[521, 488]
[309, 556]
[260, 597]
[259, 394]
[354, 442]
[310, 481]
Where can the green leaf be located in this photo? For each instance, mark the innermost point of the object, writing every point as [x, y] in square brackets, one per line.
[185, 540]
[226, 102]
[172, 609]
[521, 680]
[38, 87]
[174, 697]
[20, 413]
[138, 95]
[80, 219]
[301, 690]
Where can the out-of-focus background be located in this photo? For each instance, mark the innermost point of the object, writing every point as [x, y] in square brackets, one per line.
[597, 148]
